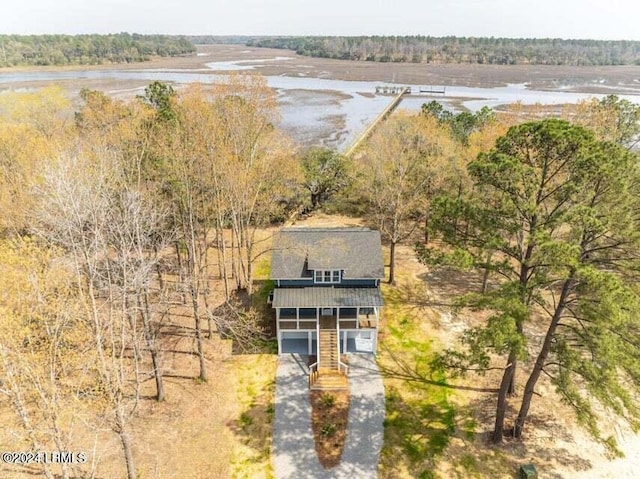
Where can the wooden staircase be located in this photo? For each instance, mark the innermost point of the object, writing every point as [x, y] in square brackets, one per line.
[328, 345]
[330, 380]
[329, 374]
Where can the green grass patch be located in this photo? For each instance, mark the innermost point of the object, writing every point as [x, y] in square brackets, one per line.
[469, 463]
[328, 429]
[263, 287]
[328, 400]
[245, 419]
[469, 426]
[421, 414]
[261, 293]
[255, 386]
[262, 268]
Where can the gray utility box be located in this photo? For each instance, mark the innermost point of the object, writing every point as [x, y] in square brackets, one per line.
[528, 471]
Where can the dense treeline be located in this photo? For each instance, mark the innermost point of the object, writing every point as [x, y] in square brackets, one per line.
[18, 50]
[225, 39]
[118, 227]
[427, 49]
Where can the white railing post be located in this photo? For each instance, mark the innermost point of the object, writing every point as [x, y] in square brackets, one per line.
[345, 341]
[318, 337]
[338, 331]
[278, 334]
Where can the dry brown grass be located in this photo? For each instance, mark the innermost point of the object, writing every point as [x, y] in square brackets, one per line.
[211, 430]
[255, 386]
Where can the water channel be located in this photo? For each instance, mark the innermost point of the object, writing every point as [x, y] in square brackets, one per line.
[317, 110]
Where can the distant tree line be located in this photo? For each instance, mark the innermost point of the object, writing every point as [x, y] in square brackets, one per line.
[427, 49]
[18, 50]
[224, 39]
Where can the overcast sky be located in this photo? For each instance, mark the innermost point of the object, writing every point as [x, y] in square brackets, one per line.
[598, 19]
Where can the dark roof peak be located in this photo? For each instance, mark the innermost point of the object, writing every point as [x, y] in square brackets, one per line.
[355, 250]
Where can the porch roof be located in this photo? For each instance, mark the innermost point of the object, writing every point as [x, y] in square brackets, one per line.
[328, 297]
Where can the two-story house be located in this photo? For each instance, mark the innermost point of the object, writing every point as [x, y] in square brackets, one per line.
[327, 292]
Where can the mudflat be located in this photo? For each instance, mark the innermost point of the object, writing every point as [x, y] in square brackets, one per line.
[586, 79]
[332, 113]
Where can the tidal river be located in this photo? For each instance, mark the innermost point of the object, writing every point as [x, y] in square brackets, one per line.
[314, 110]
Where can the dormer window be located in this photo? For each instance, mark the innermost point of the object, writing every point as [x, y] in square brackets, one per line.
[327, 276]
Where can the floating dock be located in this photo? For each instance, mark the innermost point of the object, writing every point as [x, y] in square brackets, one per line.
[432, 90]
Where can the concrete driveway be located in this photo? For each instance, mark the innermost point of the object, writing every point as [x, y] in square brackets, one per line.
[294, 454]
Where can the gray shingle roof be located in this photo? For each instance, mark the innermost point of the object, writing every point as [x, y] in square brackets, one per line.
[326, 297]
[297, 251]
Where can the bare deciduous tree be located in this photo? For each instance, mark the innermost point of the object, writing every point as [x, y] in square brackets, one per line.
[397, 178]
[75, 214]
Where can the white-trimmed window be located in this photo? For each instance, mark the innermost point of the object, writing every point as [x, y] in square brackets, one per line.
[327, 276]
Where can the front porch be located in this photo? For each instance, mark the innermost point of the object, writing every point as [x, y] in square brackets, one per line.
[327, 322]
[302, 313]
[298, 329]
[329, 318]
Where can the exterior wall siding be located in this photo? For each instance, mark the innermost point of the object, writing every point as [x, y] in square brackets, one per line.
[358, 282]
[295, 283]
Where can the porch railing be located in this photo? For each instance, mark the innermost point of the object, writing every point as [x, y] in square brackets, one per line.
[343, 368]
[313, 374]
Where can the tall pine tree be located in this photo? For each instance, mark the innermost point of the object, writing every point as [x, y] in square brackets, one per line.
[553, 215]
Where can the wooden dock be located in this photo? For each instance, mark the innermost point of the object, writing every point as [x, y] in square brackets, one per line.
[401, 91]
[421, 90]
[392, 89]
